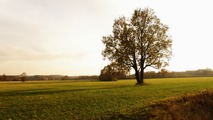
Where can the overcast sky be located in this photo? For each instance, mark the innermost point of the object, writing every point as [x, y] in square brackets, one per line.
[64, 36]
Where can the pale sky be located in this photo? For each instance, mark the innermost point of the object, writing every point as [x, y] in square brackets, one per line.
[64, 36]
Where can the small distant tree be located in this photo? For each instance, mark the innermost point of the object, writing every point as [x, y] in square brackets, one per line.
[108, 74]
[112, 72]
[23, 77]
[65, 77]
[162, 73]
[4, 77]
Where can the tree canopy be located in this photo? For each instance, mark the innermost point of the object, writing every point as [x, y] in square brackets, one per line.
[139, 42]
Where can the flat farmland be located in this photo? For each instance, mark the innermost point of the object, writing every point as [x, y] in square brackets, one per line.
[90, 99]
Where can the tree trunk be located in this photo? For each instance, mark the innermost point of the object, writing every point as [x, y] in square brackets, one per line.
[141, 72]
[142, 76]
[137, 75]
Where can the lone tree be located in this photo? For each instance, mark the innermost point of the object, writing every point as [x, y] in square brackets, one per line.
[139, 42]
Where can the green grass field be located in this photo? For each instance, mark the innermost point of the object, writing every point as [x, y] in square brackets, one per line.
[89, 99]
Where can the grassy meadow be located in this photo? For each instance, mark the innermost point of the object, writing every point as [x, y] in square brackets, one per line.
[90, 99]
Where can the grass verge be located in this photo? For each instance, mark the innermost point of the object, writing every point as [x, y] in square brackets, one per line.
[198, 106]
[188, 107]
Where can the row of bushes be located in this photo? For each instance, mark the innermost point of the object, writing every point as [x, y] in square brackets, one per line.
[109, 74]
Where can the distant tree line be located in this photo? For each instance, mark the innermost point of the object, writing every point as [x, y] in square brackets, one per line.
[23, 77]
[107, 73]
[163, 73]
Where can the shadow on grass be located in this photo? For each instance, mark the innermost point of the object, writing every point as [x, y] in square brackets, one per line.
[50, 91]
[142, 84]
